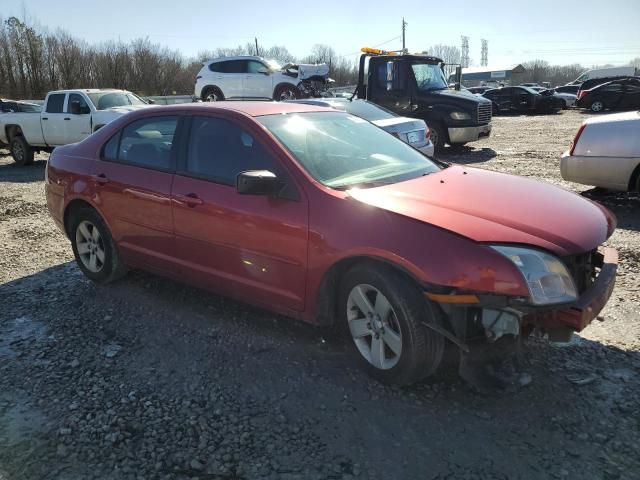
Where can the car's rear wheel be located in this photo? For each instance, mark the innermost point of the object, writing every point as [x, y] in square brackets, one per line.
[94, 248]
[597, 106]
[21, 151]
[384, 312]
[286, 92]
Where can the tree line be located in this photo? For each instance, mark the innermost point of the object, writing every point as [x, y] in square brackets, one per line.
[34, 61]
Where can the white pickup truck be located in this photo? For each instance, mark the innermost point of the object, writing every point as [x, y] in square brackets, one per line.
[67, 116]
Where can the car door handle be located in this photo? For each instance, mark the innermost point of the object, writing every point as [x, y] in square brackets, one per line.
[191, 199]
[101, 178]
[67, 118]
[45, 118]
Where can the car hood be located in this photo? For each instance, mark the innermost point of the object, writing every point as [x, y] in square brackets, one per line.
[487, 206]
[400, 124]
[449, 94]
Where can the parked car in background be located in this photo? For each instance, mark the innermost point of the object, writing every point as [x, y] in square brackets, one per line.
[322, 216]
[413, 131]
[568, 98]
[605, 153]
[15, 106]
[606, 72]
[68, 116]
[621, 94]
[567, 89]
[523, 100]
[589, 84]
[479, 90]
[252, 78]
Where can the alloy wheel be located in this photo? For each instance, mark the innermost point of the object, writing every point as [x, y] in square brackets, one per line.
[212, 97]
[90, 246]
[18, 151]
[287, 95]
[597, 106]
[374, 326]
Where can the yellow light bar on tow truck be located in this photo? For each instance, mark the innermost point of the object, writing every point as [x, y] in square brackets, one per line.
[376, 51]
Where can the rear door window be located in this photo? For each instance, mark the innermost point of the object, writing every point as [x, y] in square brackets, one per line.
[145, 143]
[232, 66]
[55, 103]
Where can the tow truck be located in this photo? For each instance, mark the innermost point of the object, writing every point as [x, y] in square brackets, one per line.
[414, 85]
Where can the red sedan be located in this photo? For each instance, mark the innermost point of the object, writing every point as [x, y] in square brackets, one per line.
[324, 217]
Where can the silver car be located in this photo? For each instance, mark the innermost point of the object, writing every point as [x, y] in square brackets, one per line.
[410, 130]
[605, 153]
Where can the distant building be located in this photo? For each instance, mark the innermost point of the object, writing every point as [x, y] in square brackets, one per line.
[492, 75]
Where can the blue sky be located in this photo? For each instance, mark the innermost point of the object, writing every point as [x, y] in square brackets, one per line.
[586, 31]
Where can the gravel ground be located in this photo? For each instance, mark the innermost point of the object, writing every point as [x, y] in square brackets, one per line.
[147, 378]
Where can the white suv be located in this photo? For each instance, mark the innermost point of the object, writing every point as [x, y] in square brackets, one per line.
[244, 78]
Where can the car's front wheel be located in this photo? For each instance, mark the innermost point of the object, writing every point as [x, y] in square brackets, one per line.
[385, 314]
[94, 248]
[286, 92]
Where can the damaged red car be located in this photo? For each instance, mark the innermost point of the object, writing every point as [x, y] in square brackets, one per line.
[322, 216]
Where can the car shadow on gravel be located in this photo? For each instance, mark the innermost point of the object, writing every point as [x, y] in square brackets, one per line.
[466, 155]
[624, 205]
[189, 383]
[10, 172]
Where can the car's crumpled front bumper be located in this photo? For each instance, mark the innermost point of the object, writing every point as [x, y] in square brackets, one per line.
[582, 312]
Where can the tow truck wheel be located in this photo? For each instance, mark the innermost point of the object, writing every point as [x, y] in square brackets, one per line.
[21, 151]
[384, 313]
[438, 135]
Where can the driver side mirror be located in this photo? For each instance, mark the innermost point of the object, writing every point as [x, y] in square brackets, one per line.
[258, 182]
[264, 71]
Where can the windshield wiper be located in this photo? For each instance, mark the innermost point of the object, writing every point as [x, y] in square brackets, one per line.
[368, 184]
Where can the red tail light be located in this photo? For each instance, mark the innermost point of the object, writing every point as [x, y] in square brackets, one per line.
[576, 138]
[581, 93]
[427, 134]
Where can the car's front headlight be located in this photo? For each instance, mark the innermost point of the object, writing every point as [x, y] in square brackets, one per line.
[460, 115]
[547, 277]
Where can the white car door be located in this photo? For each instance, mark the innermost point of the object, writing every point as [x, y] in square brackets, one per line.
[53, 121]
[77, 125]
[229, 78]
[258, 81]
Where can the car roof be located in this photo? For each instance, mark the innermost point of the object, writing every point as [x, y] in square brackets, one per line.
[251, 108]
[237, 57]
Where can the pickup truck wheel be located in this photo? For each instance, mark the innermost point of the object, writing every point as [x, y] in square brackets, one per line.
[95, 251]
[438, 135]
[384, 312]
[21, 151]
[286, 92]
[597, 106]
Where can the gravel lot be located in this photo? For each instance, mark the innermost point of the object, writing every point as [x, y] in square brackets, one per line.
[147, 378]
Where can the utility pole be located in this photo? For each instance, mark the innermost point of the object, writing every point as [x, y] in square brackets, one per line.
[257, 51]
[404, 28]
[484, 53]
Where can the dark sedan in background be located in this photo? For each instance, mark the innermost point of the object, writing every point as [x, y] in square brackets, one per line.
[623, 94]
[523, 100]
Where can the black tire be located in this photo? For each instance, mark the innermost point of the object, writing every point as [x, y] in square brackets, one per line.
[112, 267]
[286, 92]
[21, 151]
[457, 146]
[212, 94]
[422, 348]
[438, 135]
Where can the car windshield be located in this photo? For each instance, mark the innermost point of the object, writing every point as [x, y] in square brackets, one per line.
[529, 89]
[341, 150]
[429, 76]
[104, 100]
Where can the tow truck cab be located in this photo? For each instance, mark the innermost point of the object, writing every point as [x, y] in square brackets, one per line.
[415, 86]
